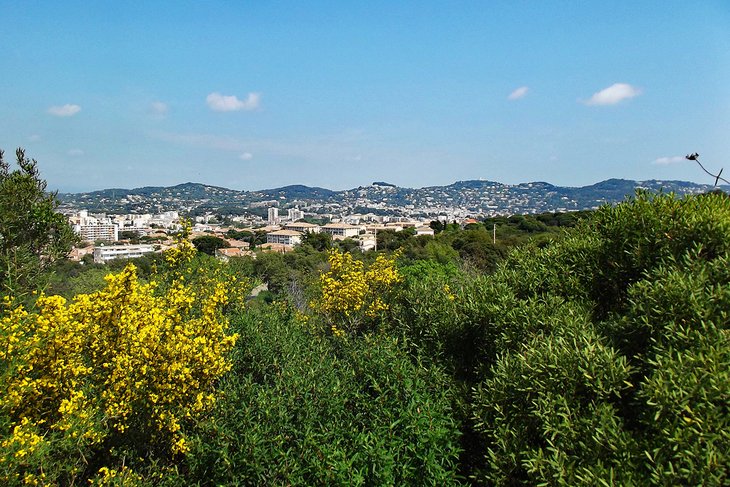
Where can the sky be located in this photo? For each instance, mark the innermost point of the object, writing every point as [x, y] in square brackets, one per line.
[257, 95]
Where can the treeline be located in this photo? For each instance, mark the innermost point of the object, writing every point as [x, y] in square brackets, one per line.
[579, 349]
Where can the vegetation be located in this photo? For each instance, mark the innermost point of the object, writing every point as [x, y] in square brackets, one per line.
[208, 244]
[577, 349]
[32, 234]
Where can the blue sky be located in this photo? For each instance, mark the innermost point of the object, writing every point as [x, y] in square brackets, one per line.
[253, 95]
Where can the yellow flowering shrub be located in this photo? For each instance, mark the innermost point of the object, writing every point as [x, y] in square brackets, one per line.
[121, 368]
[353, 294]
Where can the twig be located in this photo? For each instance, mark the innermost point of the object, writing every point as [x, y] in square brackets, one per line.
[696, 157]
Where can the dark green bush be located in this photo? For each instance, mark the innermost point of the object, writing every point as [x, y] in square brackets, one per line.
[302, 409]
[599, 358]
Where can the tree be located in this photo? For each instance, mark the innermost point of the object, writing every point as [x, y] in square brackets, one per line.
[319, 241]
[208, 244]
[32, 234]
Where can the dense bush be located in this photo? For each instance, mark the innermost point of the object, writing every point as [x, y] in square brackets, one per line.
[305, 409]
[600, 358]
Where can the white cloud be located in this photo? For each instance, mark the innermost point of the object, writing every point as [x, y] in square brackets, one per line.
[159, 108]
[67, 110]
[76, 152]
[663, 161]
[246, 156]
[518, 93]
[34, 138]
[613, 94]
[222, 103]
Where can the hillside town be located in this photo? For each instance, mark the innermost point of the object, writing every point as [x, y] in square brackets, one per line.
[129, 223]
[107, 236]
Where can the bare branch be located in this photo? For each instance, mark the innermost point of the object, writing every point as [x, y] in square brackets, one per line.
[696, 157]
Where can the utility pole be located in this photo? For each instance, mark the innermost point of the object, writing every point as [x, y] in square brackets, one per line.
[494, 234]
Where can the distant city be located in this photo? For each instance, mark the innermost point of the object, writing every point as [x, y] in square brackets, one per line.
[103, 218]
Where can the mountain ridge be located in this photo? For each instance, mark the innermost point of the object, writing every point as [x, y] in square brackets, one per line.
[476, 197]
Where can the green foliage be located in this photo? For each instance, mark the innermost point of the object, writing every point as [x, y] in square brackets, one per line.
[303, 409]
[638, 235]
[390, 240]
[319, 241]
[475, 246]
[32, 234]
[599, 357]
[547, 411]
[208, 244]
[677, 332]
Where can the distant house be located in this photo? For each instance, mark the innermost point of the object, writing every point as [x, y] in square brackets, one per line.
[77, 254]
[367, 242]
[342, 230]
[239, 244]
[424, 231]
[98, 231]
[284, 237]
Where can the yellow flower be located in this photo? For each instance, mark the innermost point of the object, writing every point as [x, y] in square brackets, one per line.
[105, 363]
[351, 293]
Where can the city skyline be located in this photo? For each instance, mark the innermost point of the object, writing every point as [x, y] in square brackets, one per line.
[336, 95]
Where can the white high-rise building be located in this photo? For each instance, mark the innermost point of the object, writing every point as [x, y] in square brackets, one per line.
[273, 216]
[295, 214]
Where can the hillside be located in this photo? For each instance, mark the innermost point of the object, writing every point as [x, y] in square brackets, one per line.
[473, 197]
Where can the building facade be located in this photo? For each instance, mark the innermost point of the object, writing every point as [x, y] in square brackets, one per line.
[103, 254]
[273, 216]
[342, 230]
[285, 237]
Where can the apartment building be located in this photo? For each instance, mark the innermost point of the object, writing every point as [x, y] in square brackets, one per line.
[342, 230]
[103, 254]
[285, 237]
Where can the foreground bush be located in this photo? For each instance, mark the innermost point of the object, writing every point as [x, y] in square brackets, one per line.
[110, 379]
[602, 358]
[306, 409]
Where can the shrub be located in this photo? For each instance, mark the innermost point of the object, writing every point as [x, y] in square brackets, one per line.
[353, 295]
[548, 412]
[113, 374]
[307, 409]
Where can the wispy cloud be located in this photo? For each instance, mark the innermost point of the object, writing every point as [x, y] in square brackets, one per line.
[245, 156]
[615, 93]
[663, 161]
[518, 93]
[34, 138]
[76, 152]
[330, 147]
[223, 103]
[159, 108]
[67, 110]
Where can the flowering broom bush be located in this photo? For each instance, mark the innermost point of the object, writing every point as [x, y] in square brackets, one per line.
[115, 373]
[354, 295]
